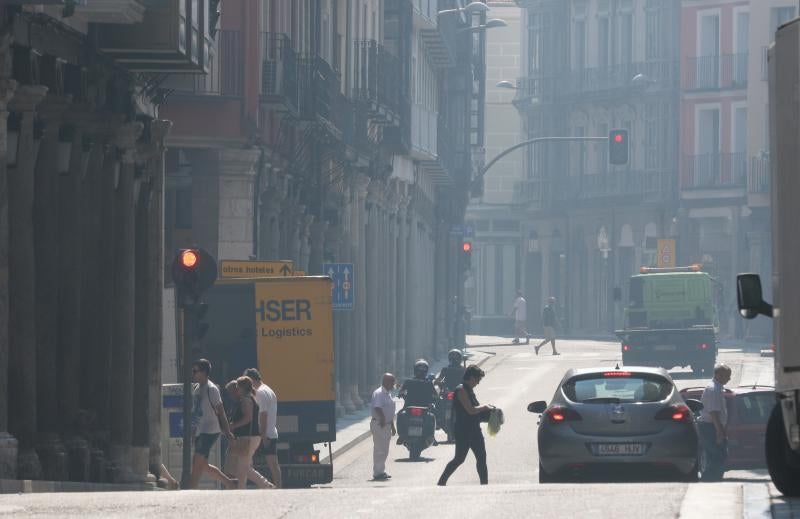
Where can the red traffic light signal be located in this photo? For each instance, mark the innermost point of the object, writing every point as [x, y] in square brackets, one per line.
[193, 271]
[618, 147]
[466, 247]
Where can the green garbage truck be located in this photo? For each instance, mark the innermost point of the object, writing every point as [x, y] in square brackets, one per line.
[671, 320]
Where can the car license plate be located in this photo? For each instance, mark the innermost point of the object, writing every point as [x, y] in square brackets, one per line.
[415, 431]
[664, 347]
[618, 449]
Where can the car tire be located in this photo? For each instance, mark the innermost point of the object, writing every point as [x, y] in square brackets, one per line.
[693, 476]
[545, 477]
[783, 463]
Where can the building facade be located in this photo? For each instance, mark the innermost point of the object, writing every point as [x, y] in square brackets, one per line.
[589, 66]
[340, 135]
[82, 180]
[725, 144]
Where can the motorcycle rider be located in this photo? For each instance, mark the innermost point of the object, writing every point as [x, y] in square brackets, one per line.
[451, 375]
[419, 391]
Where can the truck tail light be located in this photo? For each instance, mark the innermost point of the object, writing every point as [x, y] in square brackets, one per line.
[703, 346]
[626, 347]
[307, 458]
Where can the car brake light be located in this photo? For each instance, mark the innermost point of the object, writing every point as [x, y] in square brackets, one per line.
[626, 347]
[451, 395]
[415, 411]
[617, 374]
[704, 346]
[676, 413]
[562, 414]
[307, 458]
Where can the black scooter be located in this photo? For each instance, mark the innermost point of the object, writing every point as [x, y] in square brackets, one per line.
[416, 427]
[444, 412]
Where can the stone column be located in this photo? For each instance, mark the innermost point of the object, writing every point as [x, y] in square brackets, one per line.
[123, 312]
[316, 251]
[372, 283]
[236, 202]
[8, 444]
[22, 380]
[393, 204]
[270, 240]
[51, 450]
[363, 385]
[70, 254]
[402, 278]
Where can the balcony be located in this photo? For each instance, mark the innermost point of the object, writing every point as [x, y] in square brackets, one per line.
[318, 86]
[112, 11]
[599, 188]
[424, 133]
[172, 38]
[725, 72]
[714, 171]
[351, 121]
[279, 88]
[616, 78]
[225, 75]
[426, 13]
[759, 175]
[378, 81]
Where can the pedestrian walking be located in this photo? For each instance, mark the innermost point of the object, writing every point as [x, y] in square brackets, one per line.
[267, 418]
[549, 320]
[382, 426]
[467, 427]
[713, 425]
[244, 425]
[519, 312]
[208, 421]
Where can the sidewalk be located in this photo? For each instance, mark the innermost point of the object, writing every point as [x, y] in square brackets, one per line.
[353, 428]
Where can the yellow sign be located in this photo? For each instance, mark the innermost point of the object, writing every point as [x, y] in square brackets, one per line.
[294, 323]
[665, 255]
[299, 273]
[255, 269]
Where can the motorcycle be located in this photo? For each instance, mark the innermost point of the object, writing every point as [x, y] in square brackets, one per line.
[444, 413]
[416, 427]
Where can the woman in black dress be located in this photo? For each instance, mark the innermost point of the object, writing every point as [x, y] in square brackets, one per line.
[468, 426]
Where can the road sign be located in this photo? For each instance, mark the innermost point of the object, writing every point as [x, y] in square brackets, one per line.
[343, 286]
[255, 269]
[665, 257]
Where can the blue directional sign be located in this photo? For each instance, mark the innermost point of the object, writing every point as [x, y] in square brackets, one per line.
[342, 290]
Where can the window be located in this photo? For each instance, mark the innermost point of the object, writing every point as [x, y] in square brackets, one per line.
[707, 131]
[626, 38]
[653, 33]
[580, 44]
[779, 16]
[708, 52]
[603, 58]
[630, 388]
[742, 28]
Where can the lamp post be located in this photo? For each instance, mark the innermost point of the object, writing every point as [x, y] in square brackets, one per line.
[472, 7]
[490, 24]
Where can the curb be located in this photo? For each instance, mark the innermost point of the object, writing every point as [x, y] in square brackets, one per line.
[29, 486]
[366, 434]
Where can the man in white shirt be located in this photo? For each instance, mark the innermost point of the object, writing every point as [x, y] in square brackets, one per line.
[713, 424]
[520, 314]
[208, 420]
[382, 426]
[267, 418]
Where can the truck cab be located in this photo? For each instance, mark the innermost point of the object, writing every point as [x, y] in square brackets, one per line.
[671, 320]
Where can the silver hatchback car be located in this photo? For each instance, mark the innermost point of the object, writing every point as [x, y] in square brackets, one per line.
[604, 419]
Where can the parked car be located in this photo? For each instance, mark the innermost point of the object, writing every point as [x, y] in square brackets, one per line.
[749, 408]
[601, 420]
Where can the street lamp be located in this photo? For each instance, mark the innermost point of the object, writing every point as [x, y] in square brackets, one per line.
[472, 7]
[508, 85]
[642, 80]
[490, 24]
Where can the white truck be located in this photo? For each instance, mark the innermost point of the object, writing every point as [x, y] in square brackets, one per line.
[783, 428]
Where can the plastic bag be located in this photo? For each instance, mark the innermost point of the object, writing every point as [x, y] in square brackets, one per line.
[495, 421]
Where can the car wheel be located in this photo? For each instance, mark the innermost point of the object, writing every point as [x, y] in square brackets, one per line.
[693, 476]
[783, 463]
[545, 477]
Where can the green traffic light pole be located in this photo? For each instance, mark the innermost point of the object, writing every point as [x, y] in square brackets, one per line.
[479, 177]
[188, 336]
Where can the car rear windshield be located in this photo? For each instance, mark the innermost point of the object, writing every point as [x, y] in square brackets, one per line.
[617, 387]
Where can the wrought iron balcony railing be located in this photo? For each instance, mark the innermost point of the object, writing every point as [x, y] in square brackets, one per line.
[728, 71]
[279, 70]
[225, 75]
[378, 78]
[714, 171]
[648, 185]
[758, 178]
[658, 73]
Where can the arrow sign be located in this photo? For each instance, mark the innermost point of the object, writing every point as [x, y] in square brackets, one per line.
[342, 290]
[286, 271]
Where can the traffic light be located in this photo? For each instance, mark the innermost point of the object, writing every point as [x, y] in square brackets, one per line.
[193, 271]
[466, 255]
[618, 147]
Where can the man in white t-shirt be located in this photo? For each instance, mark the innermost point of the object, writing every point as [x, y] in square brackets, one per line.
[208, 415]
[267, 419]
[520, 314]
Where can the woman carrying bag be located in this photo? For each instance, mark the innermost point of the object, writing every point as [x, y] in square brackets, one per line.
[468, 416]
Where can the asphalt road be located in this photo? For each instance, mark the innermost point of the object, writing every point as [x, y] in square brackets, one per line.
[515, 377]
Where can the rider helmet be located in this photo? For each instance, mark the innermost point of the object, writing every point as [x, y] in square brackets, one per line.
[420, 368]
[454, 357]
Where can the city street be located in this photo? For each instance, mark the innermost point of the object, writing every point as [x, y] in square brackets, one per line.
[515, 377]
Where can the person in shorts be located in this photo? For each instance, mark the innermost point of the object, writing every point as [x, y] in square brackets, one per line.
[549, 320]
[267, 417]
[208, 421]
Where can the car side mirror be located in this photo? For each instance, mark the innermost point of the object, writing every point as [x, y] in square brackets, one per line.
[695, 405]
[750, 298]
[537, 407]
